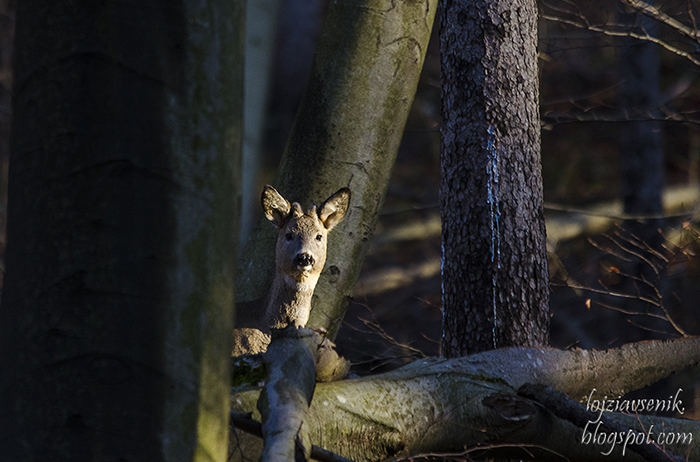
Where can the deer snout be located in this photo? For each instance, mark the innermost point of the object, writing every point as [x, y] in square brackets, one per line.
[304, 261]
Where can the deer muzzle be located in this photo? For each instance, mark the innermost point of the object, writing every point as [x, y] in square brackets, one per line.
[304, 262]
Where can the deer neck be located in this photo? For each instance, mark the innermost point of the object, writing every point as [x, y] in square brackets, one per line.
[289, 300]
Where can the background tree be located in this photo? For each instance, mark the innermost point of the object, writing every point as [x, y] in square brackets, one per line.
[494, 267]
[116, 312]
[619, 84]
[641, 147]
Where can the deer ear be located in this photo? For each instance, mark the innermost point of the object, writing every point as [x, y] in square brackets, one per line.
[333, 210]
[275, 206]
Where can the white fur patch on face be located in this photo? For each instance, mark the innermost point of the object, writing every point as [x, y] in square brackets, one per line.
[306, 283]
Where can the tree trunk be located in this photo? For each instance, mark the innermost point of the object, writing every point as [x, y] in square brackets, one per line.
[641, 174]
[298, 37]
[494, 273]
[641, 150]
[262, 17]
[115, 321]
[347, 133]
[435, 406]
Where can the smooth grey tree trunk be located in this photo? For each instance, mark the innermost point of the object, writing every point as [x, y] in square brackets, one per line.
[346, 134]
[494, 268]
[116, 312]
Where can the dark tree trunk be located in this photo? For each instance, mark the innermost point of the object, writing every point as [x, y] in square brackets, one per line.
[641, 149]
[495, 281]
[298, 34]
[116, 315]
[641, 174]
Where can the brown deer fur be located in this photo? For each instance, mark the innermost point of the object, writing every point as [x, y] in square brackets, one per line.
[299, 256]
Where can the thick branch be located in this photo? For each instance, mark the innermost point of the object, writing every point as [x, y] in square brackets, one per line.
[436, 405]
[291, 379]
[252, 427]
[564, 407]
[576, 372]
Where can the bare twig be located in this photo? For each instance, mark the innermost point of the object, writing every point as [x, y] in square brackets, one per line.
[655, 13]
[614, 33]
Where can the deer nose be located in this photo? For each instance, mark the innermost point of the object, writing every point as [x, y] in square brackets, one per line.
[304, 261]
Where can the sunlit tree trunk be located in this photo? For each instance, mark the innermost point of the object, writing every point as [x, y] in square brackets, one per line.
[116, 313]
[346, 134]
[495, 282]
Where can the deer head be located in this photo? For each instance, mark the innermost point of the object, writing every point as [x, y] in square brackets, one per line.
[302, 236]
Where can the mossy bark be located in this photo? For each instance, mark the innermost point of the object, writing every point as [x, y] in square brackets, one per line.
[347, 133]
[446, 406]
[115, 322]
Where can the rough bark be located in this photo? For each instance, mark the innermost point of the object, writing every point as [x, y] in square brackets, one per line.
[439, 406]
[115, 321]
[347, 133]
[494, 268]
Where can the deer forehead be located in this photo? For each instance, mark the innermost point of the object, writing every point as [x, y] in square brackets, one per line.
[305, 225]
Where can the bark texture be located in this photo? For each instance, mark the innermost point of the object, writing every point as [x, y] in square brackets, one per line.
[494, 268]
[347, 133]
[115, 321]
[446, 406]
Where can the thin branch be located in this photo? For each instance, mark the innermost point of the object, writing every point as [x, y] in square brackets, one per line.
[452, 455]
[617, 216]
[613, 294]
[648, 329]
[634, 254]
[612, 33]
[655, 13]
[631, 313]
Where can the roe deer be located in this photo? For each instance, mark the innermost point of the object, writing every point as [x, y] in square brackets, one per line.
[300, 256]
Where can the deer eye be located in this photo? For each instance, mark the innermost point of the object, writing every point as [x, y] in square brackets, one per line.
[319, 237]
[288, 236]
